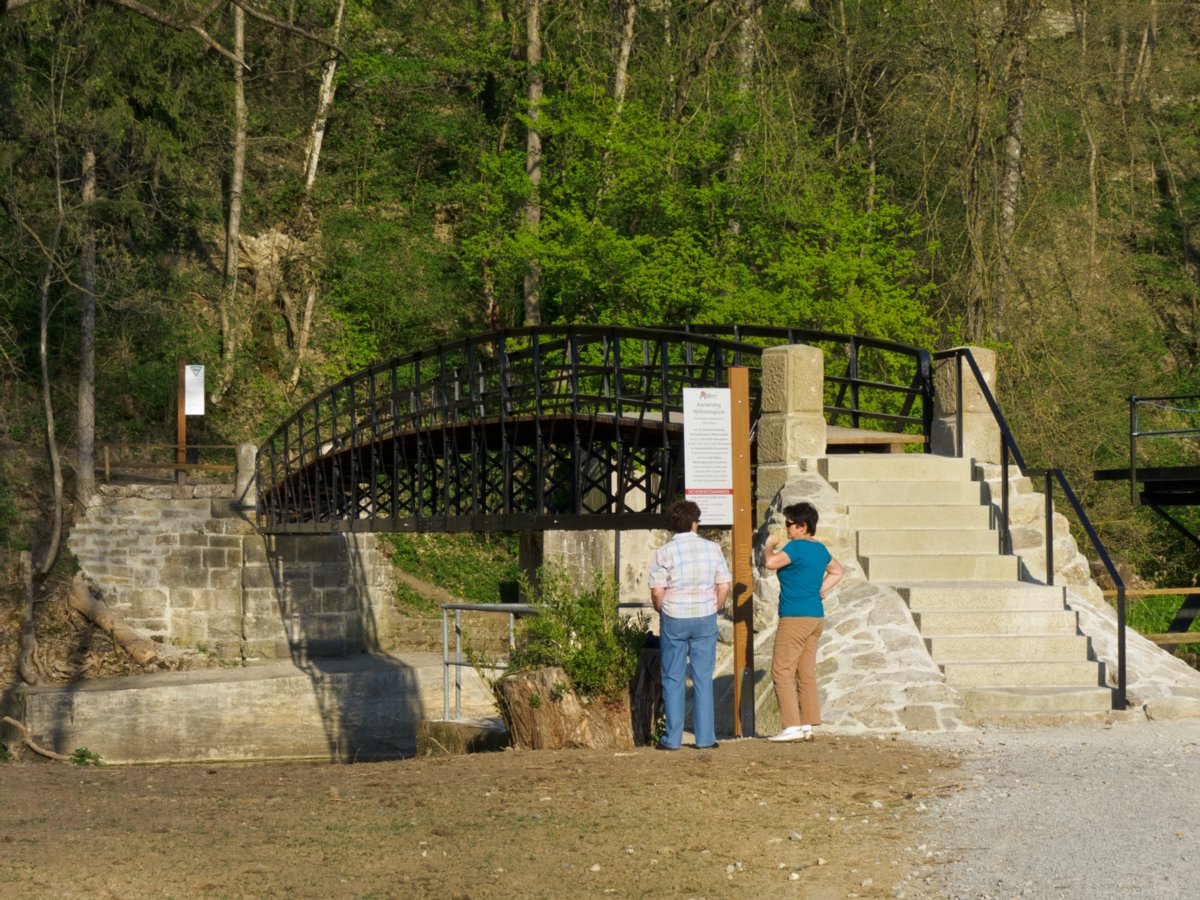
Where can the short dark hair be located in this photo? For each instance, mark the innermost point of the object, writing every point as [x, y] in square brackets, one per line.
[681, 515]
[803, 514]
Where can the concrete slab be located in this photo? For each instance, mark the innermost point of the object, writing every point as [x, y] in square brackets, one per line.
[338, 709]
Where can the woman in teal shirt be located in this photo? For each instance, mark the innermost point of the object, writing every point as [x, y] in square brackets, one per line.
[806, 571]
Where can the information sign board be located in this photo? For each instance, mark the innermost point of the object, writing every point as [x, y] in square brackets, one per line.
[708, 453]
[193, 390]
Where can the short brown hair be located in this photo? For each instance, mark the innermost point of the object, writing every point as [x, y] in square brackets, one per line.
[681, 515]
[803, 514]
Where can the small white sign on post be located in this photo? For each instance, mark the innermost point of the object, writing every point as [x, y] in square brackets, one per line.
[708, 453]
[193, 390]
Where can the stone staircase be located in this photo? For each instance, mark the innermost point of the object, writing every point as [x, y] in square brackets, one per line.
[923, 526]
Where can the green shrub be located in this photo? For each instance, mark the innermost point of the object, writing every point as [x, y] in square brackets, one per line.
[85, 757]
[582, 631]
[5, 754]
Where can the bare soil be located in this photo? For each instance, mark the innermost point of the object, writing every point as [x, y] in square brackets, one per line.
[832, 818]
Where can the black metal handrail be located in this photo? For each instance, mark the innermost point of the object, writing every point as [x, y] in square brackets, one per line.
[1008, 445]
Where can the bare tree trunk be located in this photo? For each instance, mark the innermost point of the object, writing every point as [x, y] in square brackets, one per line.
[747, 50]
[56, 476]
[310, 303]
[85, 474]
[233, 228]
[533, 157]
[27, 664]
[624, 51]
[627, 10]
[316, 135]
[976, 288]
[312, 156]
[1020, 20]
[1141, 70]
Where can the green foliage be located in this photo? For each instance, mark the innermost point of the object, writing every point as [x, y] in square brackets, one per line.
[85, 757]
[582, 631]
[478, 568]
[5, 754]
[1153, 615]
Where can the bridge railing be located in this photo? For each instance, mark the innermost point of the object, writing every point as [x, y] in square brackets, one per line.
[578, 372]
[869, 382]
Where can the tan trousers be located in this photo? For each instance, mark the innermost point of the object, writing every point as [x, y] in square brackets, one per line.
[794, 670]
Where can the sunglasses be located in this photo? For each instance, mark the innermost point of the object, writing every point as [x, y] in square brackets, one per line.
[789, 523]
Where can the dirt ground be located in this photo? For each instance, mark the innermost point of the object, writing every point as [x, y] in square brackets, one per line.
[836, 817]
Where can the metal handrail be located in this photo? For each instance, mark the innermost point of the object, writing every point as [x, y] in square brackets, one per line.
[1008, 444]
[512, 610]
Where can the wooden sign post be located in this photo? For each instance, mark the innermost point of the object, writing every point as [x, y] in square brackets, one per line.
[743, 551]
[181, 426]
[191, 403]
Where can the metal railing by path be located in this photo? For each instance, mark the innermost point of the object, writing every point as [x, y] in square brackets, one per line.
[543, 427]
[458, 662]
[1170, 404]
[1009, 450]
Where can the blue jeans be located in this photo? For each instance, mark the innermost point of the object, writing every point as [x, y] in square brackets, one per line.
[683, 641]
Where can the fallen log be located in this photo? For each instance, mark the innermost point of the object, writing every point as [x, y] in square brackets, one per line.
[84, 600]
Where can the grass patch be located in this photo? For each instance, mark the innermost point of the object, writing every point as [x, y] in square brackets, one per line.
[479, 568]
[1153, 615]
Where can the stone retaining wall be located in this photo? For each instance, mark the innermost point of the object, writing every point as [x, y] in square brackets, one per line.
[184, 565]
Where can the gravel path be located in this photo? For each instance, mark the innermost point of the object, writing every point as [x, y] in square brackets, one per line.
[1081, 811]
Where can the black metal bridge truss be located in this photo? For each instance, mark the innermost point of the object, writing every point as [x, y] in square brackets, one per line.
[561, 427]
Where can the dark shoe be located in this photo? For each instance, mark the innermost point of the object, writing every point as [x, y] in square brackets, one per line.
[713, 746]
[661, 746]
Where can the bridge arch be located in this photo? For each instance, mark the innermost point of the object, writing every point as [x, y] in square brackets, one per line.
[559, 427]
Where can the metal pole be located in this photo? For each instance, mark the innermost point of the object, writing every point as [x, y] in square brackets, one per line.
[458, 664]
[1133, 492]
[445, 665]
[1006, 536]
[1120, 699]
[1049, 527]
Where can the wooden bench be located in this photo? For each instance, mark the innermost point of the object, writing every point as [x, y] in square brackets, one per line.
[852, 440]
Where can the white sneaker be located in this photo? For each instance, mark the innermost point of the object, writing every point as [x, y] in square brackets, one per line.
[792, 733]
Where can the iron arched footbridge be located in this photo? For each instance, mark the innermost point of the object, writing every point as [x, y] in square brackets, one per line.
[552, 427]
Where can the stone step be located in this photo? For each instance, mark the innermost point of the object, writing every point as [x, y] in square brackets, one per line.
[973, 596]
[1056, 621]
[909, 493]
[1007, 647]
[998, 704]
[895, 467]
[940, 567]
[874, 515]
[998, 674]
[926, 542]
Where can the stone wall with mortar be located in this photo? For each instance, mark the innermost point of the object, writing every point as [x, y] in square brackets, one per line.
[184, 565]
[873, 670]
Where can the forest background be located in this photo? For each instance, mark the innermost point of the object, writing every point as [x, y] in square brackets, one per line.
[289, 191]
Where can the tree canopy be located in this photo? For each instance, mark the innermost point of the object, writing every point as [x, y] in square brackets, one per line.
[1023, 174]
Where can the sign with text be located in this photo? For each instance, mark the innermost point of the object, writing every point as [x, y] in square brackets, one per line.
[193, 390]
[708, 453]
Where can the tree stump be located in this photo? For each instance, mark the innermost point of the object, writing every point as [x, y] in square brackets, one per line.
[542, 711]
